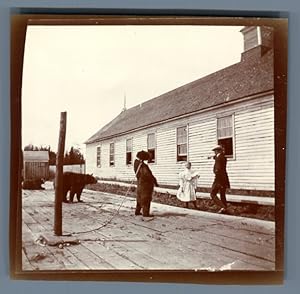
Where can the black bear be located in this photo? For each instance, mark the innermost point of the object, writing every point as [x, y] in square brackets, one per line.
[145, 184]
[33, 184]
[75, 183]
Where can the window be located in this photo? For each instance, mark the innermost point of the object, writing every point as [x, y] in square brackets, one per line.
[225, 134]
[151, 143]
[128, 151]
[182, 143]
[98, 162]
[111, 154]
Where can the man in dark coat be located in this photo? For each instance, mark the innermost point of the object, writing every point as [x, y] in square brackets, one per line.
[221, 181]
[145, 184]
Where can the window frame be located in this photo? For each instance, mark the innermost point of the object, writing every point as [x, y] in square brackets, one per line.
[223, 115]
[131, 151]
[111, 163]
[155, 147]
[98, 158]
[187, 144]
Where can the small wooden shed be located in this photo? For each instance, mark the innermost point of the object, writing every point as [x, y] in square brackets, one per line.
[36, 164]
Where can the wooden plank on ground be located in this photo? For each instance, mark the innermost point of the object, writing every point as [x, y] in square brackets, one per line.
[113, 258]
[67, 259]
[176, 238]
[26, 265]
[89, 258]
[175, 252]
[40, 258]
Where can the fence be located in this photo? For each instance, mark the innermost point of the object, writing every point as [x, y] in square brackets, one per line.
[75, 168]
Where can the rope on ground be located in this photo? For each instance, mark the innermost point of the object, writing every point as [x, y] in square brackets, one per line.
[115, 214]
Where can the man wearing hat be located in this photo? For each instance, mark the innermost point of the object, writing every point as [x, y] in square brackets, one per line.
[221, 181]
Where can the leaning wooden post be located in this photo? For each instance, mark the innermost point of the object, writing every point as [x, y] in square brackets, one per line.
[59, 175]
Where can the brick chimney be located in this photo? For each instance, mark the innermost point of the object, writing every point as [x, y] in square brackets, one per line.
[257, 41]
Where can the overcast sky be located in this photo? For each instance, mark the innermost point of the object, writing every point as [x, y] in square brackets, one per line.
[87, 71]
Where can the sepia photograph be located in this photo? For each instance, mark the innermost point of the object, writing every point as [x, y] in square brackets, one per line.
[150, 145]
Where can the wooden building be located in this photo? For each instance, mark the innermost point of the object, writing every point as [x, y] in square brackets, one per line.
[36, 165]
[233, 107]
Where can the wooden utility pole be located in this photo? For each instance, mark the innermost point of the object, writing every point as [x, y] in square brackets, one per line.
[59, 175]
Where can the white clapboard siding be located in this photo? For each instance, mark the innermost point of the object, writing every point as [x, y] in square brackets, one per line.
[254, 147]
[251, 168]
[202, 137]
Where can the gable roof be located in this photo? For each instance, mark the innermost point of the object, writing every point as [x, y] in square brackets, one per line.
[37, 156]
[251, 76]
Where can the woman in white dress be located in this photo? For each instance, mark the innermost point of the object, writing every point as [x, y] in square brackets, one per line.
[187, 186]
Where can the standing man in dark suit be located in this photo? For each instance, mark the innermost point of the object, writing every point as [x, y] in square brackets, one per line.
[221, 181]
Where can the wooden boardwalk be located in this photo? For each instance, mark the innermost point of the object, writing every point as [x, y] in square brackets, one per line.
[177, 238]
